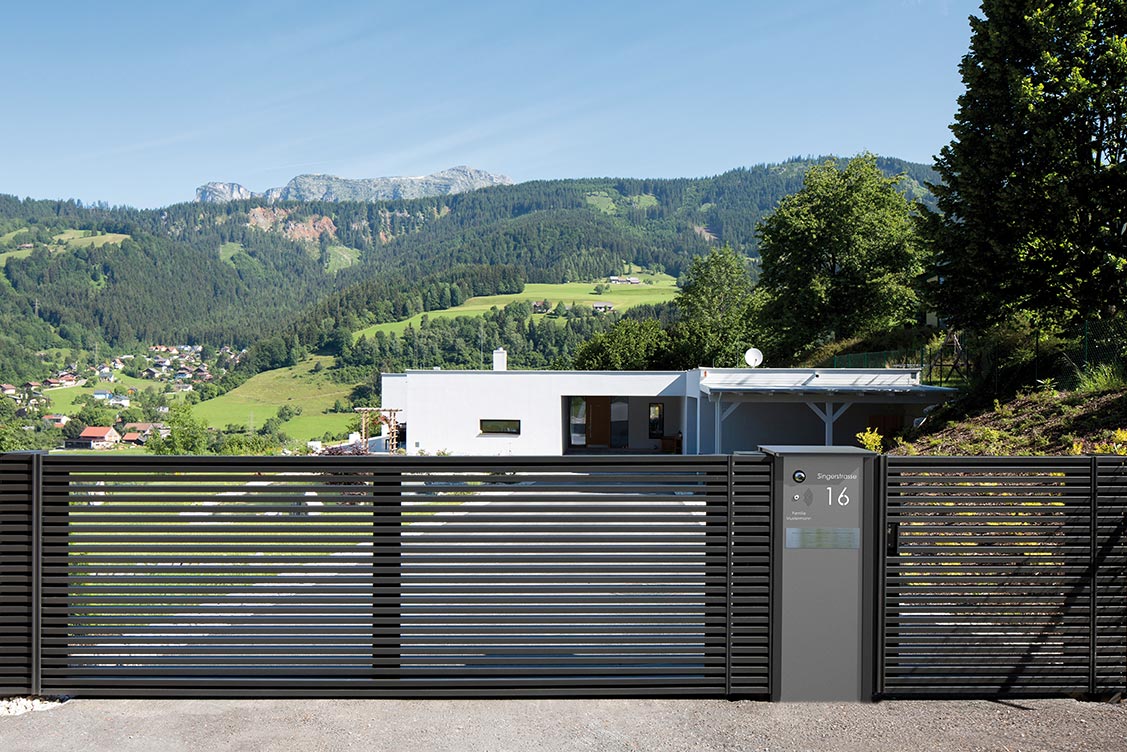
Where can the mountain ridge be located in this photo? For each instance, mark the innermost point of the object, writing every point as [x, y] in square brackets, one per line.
[249, 274]
[312, 187]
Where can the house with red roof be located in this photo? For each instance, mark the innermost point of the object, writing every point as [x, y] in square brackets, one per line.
[95, 437]
[55, 420]
[147, 429]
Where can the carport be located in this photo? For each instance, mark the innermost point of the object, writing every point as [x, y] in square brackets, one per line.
[748, 408]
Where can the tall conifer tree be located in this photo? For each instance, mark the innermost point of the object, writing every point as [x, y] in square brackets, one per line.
[1034, 195]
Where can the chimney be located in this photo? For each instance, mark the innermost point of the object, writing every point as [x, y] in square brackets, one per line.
[500, 359]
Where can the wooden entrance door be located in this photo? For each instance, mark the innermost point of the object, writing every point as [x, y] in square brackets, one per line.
[598, 421]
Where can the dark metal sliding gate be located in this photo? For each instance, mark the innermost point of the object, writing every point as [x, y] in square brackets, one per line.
[1004, 576]
[384, 577]
[572, 576]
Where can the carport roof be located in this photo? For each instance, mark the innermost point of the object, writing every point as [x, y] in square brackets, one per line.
[817, 385]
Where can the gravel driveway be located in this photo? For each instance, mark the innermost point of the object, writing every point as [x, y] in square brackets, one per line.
[533, 725]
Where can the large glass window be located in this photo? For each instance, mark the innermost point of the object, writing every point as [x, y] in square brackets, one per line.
[619, 423]
[657, 420]
[577, 422]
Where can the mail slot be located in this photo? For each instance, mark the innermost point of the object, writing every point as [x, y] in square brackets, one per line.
[822, 570]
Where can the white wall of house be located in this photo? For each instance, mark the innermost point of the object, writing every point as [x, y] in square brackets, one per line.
[640, 420]
[443, 409]
[394, 392]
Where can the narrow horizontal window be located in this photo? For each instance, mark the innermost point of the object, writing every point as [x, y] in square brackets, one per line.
[501, 426]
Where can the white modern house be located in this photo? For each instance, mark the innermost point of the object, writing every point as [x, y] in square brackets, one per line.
[702, 411]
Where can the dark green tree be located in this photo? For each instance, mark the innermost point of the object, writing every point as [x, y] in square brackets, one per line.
[12, 435]
[841, 258]
[1033, 199]
[629, 345]
[96, 414]
[74, 428]
[715, 302]
[188, 434]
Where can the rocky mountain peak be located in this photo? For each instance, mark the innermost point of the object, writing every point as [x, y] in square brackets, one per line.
[331, 188]
[218, 193]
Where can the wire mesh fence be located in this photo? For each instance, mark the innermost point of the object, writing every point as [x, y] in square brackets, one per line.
[944, 361]
[1100, 342]
[1082, 354]
[1065, 358]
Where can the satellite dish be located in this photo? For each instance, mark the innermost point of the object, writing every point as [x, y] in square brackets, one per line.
[753, 357]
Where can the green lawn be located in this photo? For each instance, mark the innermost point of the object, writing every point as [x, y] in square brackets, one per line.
[341, 257]
[227, 251]
[643, 201]
[579, 293]
[86, 238]
[65, 240]
[602, 201]
[120, 449]
[259, 398]
[65, 400]
[14, 254]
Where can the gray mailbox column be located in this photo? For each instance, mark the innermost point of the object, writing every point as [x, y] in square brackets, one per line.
[822, 573]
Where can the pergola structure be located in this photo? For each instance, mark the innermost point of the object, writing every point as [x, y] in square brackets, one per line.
[387, 416]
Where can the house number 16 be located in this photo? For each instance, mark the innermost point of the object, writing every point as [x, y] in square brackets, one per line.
[842, 498]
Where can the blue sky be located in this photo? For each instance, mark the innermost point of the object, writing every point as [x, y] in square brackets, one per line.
[139, 103]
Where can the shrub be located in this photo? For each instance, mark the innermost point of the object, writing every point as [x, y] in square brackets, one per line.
[906, 446]
[1116, 445]
[871, 439]
[1102, 378]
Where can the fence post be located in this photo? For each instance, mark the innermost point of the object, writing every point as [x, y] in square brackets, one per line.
[880, 563]
[730, 576]
[36, 477]
[1093, 574]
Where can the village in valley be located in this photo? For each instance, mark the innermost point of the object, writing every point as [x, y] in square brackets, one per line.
[131, 394]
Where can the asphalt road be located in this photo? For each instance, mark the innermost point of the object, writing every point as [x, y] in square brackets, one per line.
[533, 725]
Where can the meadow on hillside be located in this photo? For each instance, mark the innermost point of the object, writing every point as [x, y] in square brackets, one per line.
[622, 297]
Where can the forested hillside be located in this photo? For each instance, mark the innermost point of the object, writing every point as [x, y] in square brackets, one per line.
[292, 276]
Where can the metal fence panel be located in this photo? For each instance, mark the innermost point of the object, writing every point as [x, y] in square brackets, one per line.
[1110, 670]
[16, 581]
[988, 576]
[574, 576]
[385, 577]
[750, 577]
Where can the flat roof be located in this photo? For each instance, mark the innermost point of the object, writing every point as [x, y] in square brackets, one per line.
[781, 384]
[535, 372]
[914, 393]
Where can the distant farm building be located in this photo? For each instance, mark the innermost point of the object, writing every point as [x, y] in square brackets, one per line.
[95, 437]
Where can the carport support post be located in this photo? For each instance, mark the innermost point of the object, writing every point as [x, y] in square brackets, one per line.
[829, 416]
[716, 420]
[722, 413]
